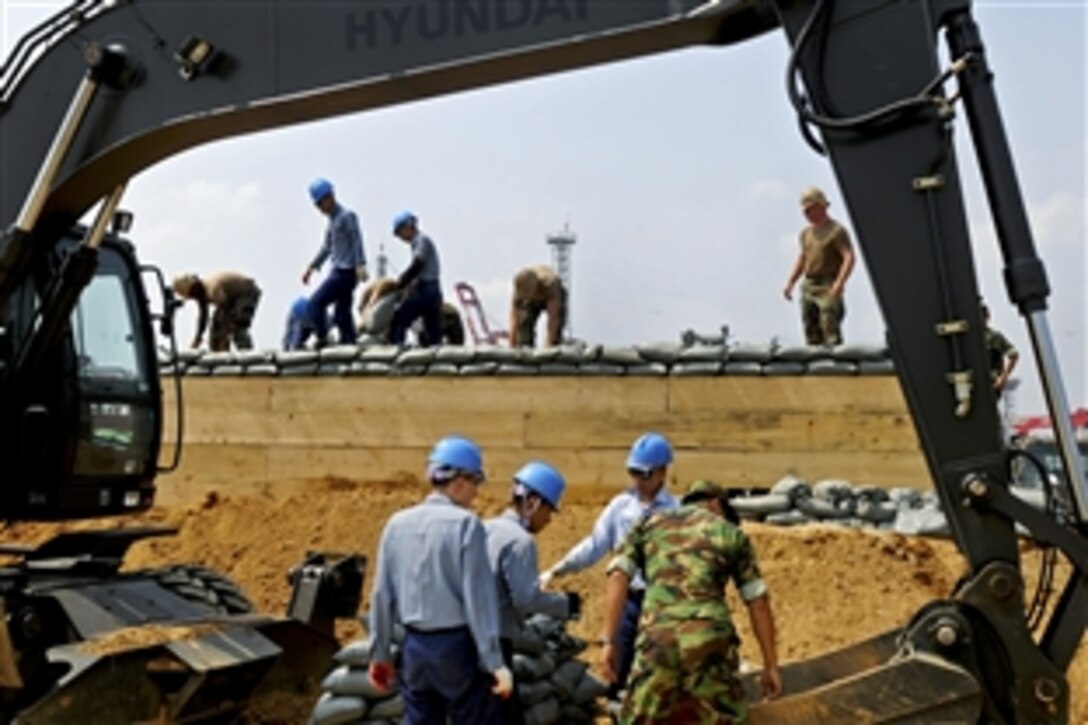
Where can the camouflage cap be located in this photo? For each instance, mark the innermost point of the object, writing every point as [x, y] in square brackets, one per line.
[702, 489]
[813, 197]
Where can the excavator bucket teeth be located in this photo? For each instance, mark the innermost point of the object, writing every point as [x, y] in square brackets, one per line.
[919, 688]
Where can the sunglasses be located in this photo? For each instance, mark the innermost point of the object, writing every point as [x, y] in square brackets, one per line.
[642, 474]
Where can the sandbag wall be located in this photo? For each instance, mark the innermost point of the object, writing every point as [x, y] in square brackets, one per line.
[792, 501]
[743, 415]
[554, 686]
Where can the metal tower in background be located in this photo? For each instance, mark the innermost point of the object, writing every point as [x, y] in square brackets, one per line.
[383, 261]
[562, 244]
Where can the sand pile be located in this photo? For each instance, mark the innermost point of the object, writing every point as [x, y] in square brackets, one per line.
[830, 586]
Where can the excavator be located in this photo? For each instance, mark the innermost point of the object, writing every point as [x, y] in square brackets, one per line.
[104, 89]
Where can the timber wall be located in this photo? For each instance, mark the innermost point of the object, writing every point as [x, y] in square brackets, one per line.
[245, 432]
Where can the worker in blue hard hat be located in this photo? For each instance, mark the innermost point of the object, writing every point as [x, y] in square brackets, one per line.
[433, 577]
[299, 327]
[419, 284]
[647, 469]
[343, 246]
[511, 550]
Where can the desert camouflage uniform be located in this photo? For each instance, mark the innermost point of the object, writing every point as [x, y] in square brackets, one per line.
[822, 314]
[686, 657]
[533, 288]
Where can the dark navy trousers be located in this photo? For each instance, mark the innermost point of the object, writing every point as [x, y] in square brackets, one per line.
[337, 290]
[632, 611]
[424, 300]
[441, 677]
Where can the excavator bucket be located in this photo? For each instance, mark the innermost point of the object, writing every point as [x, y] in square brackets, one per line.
[874, 681]
[102, 646]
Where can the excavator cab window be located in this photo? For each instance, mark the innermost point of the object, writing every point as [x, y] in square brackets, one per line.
[116, 419]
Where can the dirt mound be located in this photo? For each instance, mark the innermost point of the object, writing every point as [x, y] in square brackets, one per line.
[830, 586]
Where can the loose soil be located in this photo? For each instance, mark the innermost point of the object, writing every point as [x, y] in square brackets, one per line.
[830, 586]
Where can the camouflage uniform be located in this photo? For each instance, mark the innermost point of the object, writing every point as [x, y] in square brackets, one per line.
[686, 657]
[534, 287]
[822, 314]
[998, 348]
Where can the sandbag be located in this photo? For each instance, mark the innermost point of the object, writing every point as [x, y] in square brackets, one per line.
[819, 508]
[589, 688]
[254, 357]
[792, 486]
[438, 368]
[702, 353]
[566, 678]
[227, 370]
[299, 371]
[648, 370]
[531, 693]
[597, 368]
[544, 712]
[533, 668]
[457, 354]
[783, 368]
[479, 368]
[528, 642]
[334, 368]
[333, 710]
[495, 353]
[263, 370]
[291, 358]
[555, 368]
[687, 369]
[756, 507]
[380, 353]
[620, 356]
[743, 368]
[369, 368]
[788, 518]
[198, 371]
[189, 356]
[516, 370]
[391, 709]
[405, 371]
[661, 352]
[859, 353]
[355, 654]
[338, 353]
[876, 512]
[748, 352]
[378, 315]
[212, 359]
[831, 367]
[416, 356]
[355, 681]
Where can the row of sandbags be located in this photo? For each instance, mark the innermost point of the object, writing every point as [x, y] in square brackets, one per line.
[368, 358]
[553, 684]
[792, 501]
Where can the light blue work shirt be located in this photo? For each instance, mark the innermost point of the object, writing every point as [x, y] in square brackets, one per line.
[423, 249]
[621, 513]
[511, 551]
[433, 574]
[343, 241]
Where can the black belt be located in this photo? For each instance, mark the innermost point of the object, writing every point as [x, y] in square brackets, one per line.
[443, 630]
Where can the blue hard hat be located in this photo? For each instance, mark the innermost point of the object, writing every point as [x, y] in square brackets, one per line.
[651, 450]
[459, 454]
[319, 189]
[405, 217]
[300, 307]
[543, 480]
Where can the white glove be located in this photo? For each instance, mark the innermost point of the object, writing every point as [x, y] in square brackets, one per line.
[361, 274]
[504, 682]
[546, 578]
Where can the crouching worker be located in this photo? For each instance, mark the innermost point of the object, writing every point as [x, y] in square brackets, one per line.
[687, 652]
[511, 550]
[434, 578]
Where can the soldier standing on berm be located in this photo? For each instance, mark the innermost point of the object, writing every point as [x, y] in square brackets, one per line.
[826, 259]
[687, 654]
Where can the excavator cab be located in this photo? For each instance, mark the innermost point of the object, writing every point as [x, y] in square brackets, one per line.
[89, 446]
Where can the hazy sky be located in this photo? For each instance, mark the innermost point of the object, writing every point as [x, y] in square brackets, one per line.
[679, 173]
